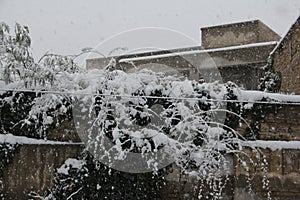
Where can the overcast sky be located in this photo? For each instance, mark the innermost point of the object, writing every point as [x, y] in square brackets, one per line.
[65, 26]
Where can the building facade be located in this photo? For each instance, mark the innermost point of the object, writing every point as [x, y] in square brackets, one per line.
[236, 52]
[286, 59]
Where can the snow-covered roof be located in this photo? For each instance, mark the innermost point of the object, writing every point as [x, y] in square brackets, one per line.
[288, 32]
[172, 54]
[231, 23]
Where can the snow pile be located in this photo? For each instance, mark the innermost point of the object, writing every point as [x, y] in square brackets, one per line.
[70, 163]
[157, 117]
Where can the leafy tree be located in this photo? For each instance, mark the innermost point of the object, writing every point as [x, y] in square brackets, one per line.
[31, 113]
[271, 80]
[15, 57]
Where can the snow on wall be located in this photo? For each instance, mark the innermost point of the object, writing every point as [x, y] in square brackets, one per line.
[12, 139]
[273, 145]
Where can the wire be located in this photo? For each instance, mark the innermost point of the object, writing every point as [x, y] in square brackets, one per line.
[153, 97]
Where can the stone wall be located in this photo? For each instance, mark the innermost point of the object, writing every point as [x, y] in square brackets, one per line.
[180, 186]
[287, 60]
[283, 174]
[284, 125]
[33, 168]
[237, 34]
[283, 164]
